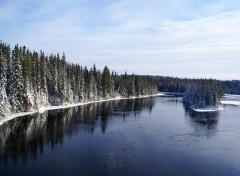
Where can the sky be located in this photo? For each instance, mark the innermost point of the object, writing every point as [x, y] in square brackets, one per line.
[180, 38]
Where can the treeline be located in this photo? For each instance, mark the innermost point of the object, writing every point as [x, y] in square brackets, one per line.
[197, 93]
[179, 85]
[29, 80]
[231, 87]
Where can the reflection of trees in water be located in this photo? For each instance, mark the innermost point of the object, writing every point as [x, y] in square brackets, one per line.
[202, 120]
[124, 109]
[171, 100]
[28, 135]
[208, 119]
[21, 136]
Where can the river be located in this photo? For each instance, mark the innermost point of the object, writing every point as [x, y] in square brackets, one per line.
[143, 137]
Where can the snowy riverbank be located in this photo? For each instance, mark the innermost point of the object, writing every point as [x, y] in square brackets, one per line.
[43, 109]
[230, 99]
[236, 103]
[208, 109]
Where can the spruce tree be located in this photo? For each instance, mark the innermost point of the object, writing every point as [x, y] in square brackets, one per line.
[17, 93]
[63, 80]
[4, 104]
[106, 82]
[26, 70]
[43, 71]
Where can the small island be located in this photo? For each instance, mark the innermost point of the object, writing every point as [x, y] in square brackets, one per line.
[203, 96]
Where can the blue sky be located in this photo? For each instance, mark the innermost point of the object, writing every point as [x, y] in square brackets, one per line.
[184, 38]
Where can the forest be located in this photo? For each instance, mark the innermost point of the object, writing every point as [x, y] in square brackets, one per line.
[29, 80]
[197, 93]
[179, 85]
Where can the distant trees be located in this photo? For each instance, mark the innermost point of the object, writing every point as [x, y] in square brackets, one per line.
[231, 87]
[197, 93]
[179, 85]
[29, 80]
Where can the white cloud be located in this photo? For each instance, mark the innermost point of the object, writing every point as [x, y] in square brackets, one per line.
[180, 38]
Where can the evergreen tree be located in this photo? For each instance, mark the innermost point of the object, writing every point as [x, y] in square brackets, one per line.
[43, 71]
[106, 82]
[9, 70]
[82, 86]
[123, 85]
[4, 104]
[63, 80]
[26, 70]
[17, 94]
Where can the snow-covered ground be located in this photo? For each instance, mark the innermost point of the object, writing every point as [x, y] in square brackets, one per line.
[208, 109]
[13, 116]
[237, 103]
[230, 99]
[43, 109]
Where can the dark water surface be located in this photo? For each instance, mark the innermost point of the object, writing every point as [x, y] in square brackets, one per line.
[151, 136]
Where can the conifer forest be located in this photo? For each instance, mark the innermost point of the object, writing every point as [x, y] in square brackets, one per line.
[29, 80]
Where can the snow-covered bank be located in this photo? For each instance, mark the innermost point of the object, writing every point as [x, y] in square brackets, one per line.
[171, 93]
[237, 103]
[97, 101]
[15, 115]
[232, 95]
[43, 109]
[207, 109]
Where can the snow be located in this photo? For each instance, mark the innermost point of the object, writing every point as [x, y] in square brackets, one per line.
[43, 109]
[118, 97]
[230, 97]
[13, 116]
[160, 94]
[208, 109]
[237, 103]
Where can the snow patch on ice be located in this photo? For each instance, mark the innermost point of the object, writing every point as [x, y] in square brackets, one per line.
[237, 103]
[208, 109]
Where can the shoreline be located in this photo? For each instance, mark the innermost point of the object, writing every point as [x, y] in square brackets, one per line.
[9, 117]
[208, 109]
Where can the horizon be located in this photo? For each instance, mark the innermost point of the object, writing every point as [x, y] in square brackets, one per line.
[169, 38]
